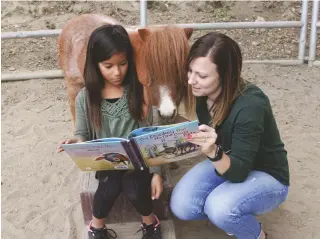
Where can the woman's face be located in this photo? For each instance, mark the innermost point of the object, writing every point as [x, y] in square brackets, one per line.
[203, 77]
[114, 69]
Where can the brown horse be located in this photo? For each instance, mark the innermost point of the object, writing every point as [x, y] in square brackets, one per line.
[160, 55]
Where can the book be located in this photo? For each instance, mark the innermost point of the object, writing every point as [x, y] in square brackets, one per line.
[144, 147]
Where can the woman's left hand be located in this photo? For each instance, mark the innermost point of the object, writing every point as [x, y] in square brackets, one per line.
[156, 186]
[206, 139]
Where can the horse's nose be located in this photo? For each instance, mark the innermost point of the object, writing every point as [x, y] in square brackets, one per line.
[168, 118]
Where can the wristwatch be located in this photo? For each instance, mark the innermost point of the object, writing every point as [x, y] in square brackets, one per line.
[218, 154]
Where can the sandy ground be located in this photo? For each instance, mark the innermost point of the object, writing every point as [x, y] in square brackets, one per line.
[40, 188]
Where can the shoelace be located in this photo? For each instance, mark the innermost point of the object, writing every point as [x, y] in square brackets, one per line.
[109, 234]
[107, 231]
[150, 230]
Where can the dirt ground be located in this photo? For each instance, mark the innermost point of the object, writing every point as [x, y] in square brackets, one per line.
[40, 188]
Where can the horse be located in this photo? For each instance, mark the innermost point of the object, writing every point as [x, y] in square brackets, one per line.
[160, 55]
[186, 147]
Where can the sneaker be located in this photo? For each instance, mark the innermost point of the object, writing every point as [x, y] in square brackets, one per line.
[151, 231]
[101, 233]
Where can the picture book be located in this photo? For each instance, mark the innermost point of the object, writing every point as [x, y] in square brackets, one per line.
[143, 148]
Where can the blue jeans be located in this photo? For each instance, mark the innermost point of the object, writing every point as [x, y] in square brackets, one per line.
[202, 194]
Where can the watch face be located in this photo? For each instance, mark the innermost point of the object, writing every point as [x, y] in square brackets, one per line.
[219, 152]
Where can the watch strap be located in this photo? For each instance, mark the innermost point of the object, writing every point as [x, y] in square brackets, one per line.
[218, 154]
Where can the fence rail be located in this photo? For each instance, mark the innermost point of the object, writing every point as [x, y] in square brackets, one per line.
[302, 24]
[196, 26]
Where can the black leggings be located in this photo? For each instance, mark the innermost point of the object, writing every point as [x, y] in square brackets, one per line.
[136, 185]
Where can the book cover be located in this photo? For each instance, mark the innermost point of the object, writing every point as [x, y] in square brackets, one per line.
[101, 154]
[161, 145]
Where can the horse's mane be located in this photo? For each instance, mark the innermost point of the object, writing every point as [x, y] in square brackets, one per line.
[165, 54]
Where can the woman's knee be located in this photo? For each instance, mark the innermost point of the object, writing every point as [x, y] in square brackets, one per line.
[190, 193]
[178, 206]
[185, 204]
[220, 211]
[182, 209]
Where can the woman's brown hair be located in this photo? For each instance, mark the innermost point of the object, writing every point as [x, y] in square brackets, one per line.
[103, 43]
[226, 54]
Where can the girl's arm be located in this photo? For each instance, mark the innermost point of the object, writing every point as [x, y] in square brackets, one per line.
[81, 118]
[155, 169]
[81, 133]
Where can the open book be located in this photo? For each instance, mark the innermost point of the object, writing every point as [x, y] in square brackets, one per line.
[144, 147]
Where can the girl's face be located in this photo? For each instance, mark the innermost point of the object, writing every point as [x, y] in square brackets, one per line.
[114, 69]
[203, 77]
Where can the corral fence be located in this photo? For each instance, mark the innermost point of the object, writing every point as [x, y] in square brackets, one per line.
[302, 24]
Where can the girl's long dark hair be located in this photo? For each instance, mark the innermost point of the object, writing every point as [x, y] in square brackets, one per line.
[103, 43]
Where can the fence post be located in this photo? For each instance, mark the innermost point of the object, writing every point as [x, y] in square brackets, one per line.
[143, 13]
[303, 31]
[313, 35]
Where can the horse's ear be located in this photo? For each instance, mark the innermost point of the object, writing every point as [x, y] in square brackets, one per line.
[135, 40]
[188, 32]
[144, 33]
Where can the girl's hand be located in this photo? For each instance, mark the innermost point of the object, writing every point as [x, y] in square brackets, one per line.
[68, 141]
[156, 186]
[206, 139]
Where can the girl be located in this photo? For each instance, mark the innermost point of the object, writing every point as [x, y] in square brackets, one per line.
[246, 172]
[110, 105]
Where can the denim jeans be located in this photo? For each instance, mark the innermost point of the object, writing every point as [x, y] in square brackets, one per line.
[202, 194]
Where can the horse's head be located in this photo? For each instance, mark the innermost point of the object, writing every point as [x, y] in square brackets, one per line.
[161, 55]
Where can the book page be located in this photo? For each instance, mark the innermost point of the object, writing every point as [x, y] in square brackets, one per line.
[147, 130]
[105, 140]
[169, 144]
[96, 155]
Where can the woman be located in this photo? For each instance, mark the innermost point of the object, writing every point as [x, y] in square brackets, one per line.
[246, 172]
[110, 105]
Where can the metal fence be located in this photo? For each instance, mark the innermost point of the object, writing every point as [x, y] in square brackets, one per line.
[302, 24]
[315, 23]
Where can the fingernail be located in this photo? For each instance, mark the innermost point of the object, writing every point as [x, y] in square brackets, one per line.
[153, 198]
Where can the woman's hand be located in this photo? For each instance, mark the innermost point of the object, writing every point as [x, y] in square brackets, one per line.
[156, 186]
[69, 141]
[206, 139]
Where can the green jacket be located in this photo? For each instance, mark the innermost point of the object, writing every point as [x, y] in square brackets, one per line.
[250, 137]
